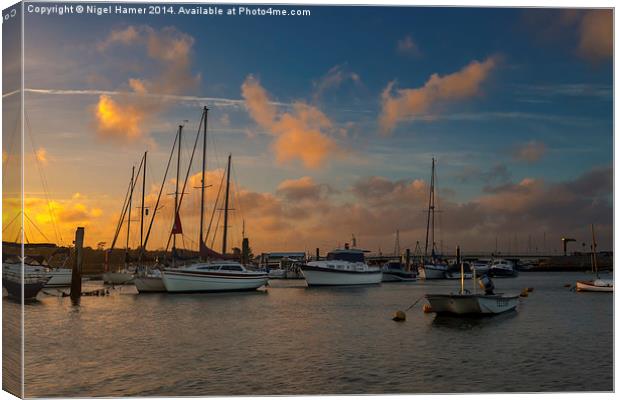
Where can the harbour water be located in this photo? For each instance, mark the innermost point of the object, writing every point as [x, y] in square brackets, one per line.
[289, 339]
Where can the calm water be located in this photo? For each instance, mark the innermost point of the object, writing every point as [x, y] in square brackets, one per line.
[294, 340]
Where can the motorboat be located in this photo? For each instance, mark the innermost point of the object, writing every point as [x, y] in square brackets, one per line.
[213, 276]
[341, 268]
[466, 303]
[149, 281]
[23, 283]
[502, 268]
[395, 271]
[433, 270]
[481, 267]
[453, 273]
[277, 273]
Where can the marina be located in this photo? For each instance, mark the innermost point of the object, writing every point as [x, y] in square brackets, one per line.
[289, 339]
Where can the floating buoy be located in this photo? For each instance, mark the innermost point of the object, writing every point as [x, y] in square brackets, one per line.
[427, 308]
[399, 316]
[524, 293]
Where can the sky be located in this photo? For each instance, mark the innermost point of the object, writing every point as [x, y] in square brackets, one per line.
[332, 120]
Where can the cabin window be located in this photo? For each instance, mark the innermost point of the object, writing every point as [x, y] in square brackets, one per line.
[231, 268]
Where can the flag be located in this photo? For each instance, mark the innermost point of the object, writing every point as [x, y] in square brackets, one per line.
[177, 228]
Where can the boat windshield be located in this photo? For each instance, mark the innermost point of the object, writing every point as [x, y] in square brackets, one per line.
[350, 256]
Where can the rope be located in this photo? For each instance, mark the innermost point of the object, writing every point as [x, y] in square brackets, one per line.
[416, 302]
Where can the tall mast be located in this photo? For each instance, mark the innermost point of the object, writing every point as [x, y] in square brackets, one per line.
[142, 209]
[594, 264]
[430, 218]
[226, 206]
[129, 214]
[203, 182]
[176, 193]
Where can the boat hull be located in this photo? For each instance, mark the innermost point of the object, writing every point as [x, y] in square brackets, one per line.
[432, 272]
[32, 287]
[117, 278]
[190, 282]
[149, 284]
[60, 278]
[471, 304]
[316, 276]
[457, 275]
[502, 272]
[590, 286]
[397, 276]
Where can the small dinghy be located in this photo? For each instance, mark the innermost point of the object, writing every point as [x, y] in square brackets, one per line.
[467, 303]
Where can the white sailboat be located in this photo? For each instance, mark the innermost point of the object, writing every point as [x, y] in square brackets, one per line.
[598, 284]
[215, 275]
[432, 267]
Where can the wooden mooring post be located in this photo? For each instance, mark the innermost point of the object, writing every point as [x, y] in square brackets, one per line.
[76, 274]
[408, 260]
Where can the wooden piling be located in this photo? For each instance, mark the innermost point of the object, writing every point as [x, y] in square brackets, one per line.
[317, 254]
[76, 274]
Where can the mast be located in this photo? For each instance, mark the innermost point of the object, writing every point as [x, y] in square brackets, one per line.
[133, 168]
[142, 209]
[203, 183]
[430, 218]
[226, 206]
[176, 194]
[594, 264]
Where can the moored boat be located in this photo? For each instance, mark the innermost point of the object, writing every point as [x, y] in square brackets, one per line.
[121, 277]
[502, 268]
[395, 271]
[598, 284]
[24, 282]
[433, 271]
[214, 276]
[149, 281]
[466, 303]
[342, 267]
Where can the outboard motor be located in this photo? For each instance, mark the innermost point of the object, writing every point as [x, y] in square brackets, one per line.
[487, 284]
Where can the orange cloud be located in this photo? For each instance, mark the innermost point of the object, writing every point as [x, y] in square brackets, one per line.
[409, 103]
[304, 188]
[170, 54]
[596, 35]
[123, 121]
[300, 134]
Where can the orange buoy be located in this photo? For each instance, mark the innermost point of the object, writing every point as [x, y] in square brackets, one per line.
[399, 316]
[524, 293]
[427, 308]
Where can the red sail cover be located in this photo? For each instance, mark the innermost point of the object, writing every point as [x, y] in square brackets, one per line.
[177, 228]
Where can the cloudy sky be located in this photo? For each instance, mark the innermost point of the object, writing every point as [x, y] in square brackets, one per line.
[332, 121]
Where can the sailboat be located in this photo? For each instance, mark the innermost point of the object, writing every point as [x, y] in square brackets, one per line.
[431, 268]
[121, 276]
[213, 276]
[150, 279]
[598, 284]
